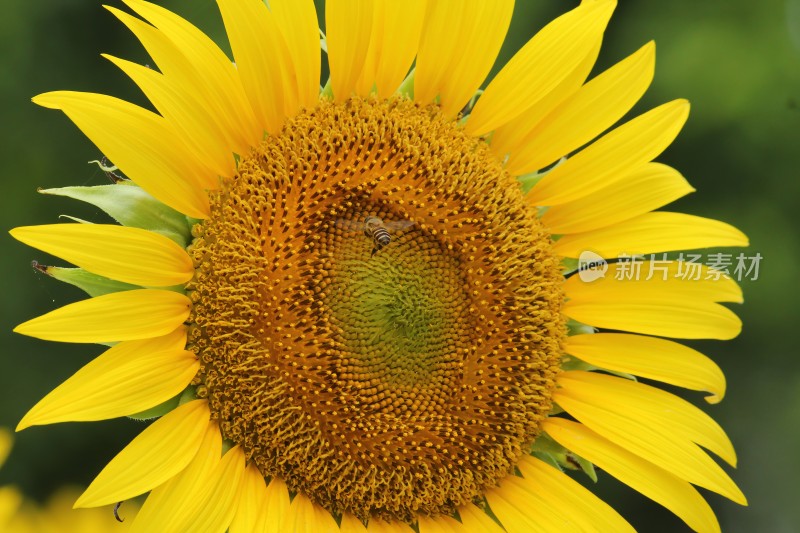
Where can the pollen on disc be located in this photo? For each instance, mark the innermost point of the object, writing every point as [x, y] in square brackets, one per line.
[393, 380]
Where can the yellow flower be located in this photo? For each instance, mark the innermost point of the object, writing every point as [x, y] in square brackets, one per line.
[58, 516]
[19, 515]
[355, 307]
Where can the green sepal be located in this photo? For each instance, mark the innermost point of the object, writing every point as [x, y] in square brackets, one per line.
[191, 223]
[552, 452]
[159, 410]
[407, 87]
[569, 264]
[547, 458]
[484, 506]
[327, 91]
[623, 375]
[323, 41]
[465, 112]
[545, 444]
[471, 104]
[527, 181]
[569, 362]
[130, 205]
[90, 283]
[586, 466]
[189, 394]
[578, 328]
[227, 445]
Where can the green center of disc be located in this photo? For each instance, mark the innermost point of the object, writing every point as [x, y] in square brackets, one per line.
[400, 309]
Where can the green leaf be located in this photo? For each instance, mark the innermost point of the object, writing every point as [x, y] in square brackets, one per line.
[91, 283]
[131, 206]
[88, 282]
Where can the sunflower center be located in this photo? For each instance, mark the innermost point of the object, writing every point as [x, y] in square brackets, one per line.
[376, 311]
[400, 312]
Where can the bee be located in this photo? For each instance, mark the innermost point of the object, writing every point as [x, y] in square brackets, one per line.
[378, 230]
[116, 512]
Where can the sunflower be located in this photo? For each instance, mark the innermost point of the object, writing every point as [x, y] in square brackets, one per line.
[353, 306]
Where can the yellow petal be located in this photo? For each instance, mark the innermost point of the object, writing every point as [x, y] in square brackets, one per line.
[172, 504]
[515, 511]
[325, 522]
[549, 57]
[262, 58]
[586, 114]
[215, 510]
[130, 255]
[562, 492]
[650, 358]
[475, 519]
[458, 47]
[199, 107]
[511, 136]
[185, 113]
[297, 20]
[649, 405]
[159, 452]
[640, 191]
[129, 378]
[276, 506]
[653, 424]
[396, 30]
[376, 525]
[146, 149]
[684, 280]
[666, 305]
[219, 79]
[306, 517]
[649, 233]
[10, 501]
[6, 441]
[119, 316]
[654, 482]
[439, 524]
[350, 524]
[634, 143]
[549, 501]
[348, 25]
[250, 516]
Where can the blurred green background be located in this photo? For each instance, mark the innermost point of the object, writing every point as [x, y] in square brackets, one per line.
[737, 61]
